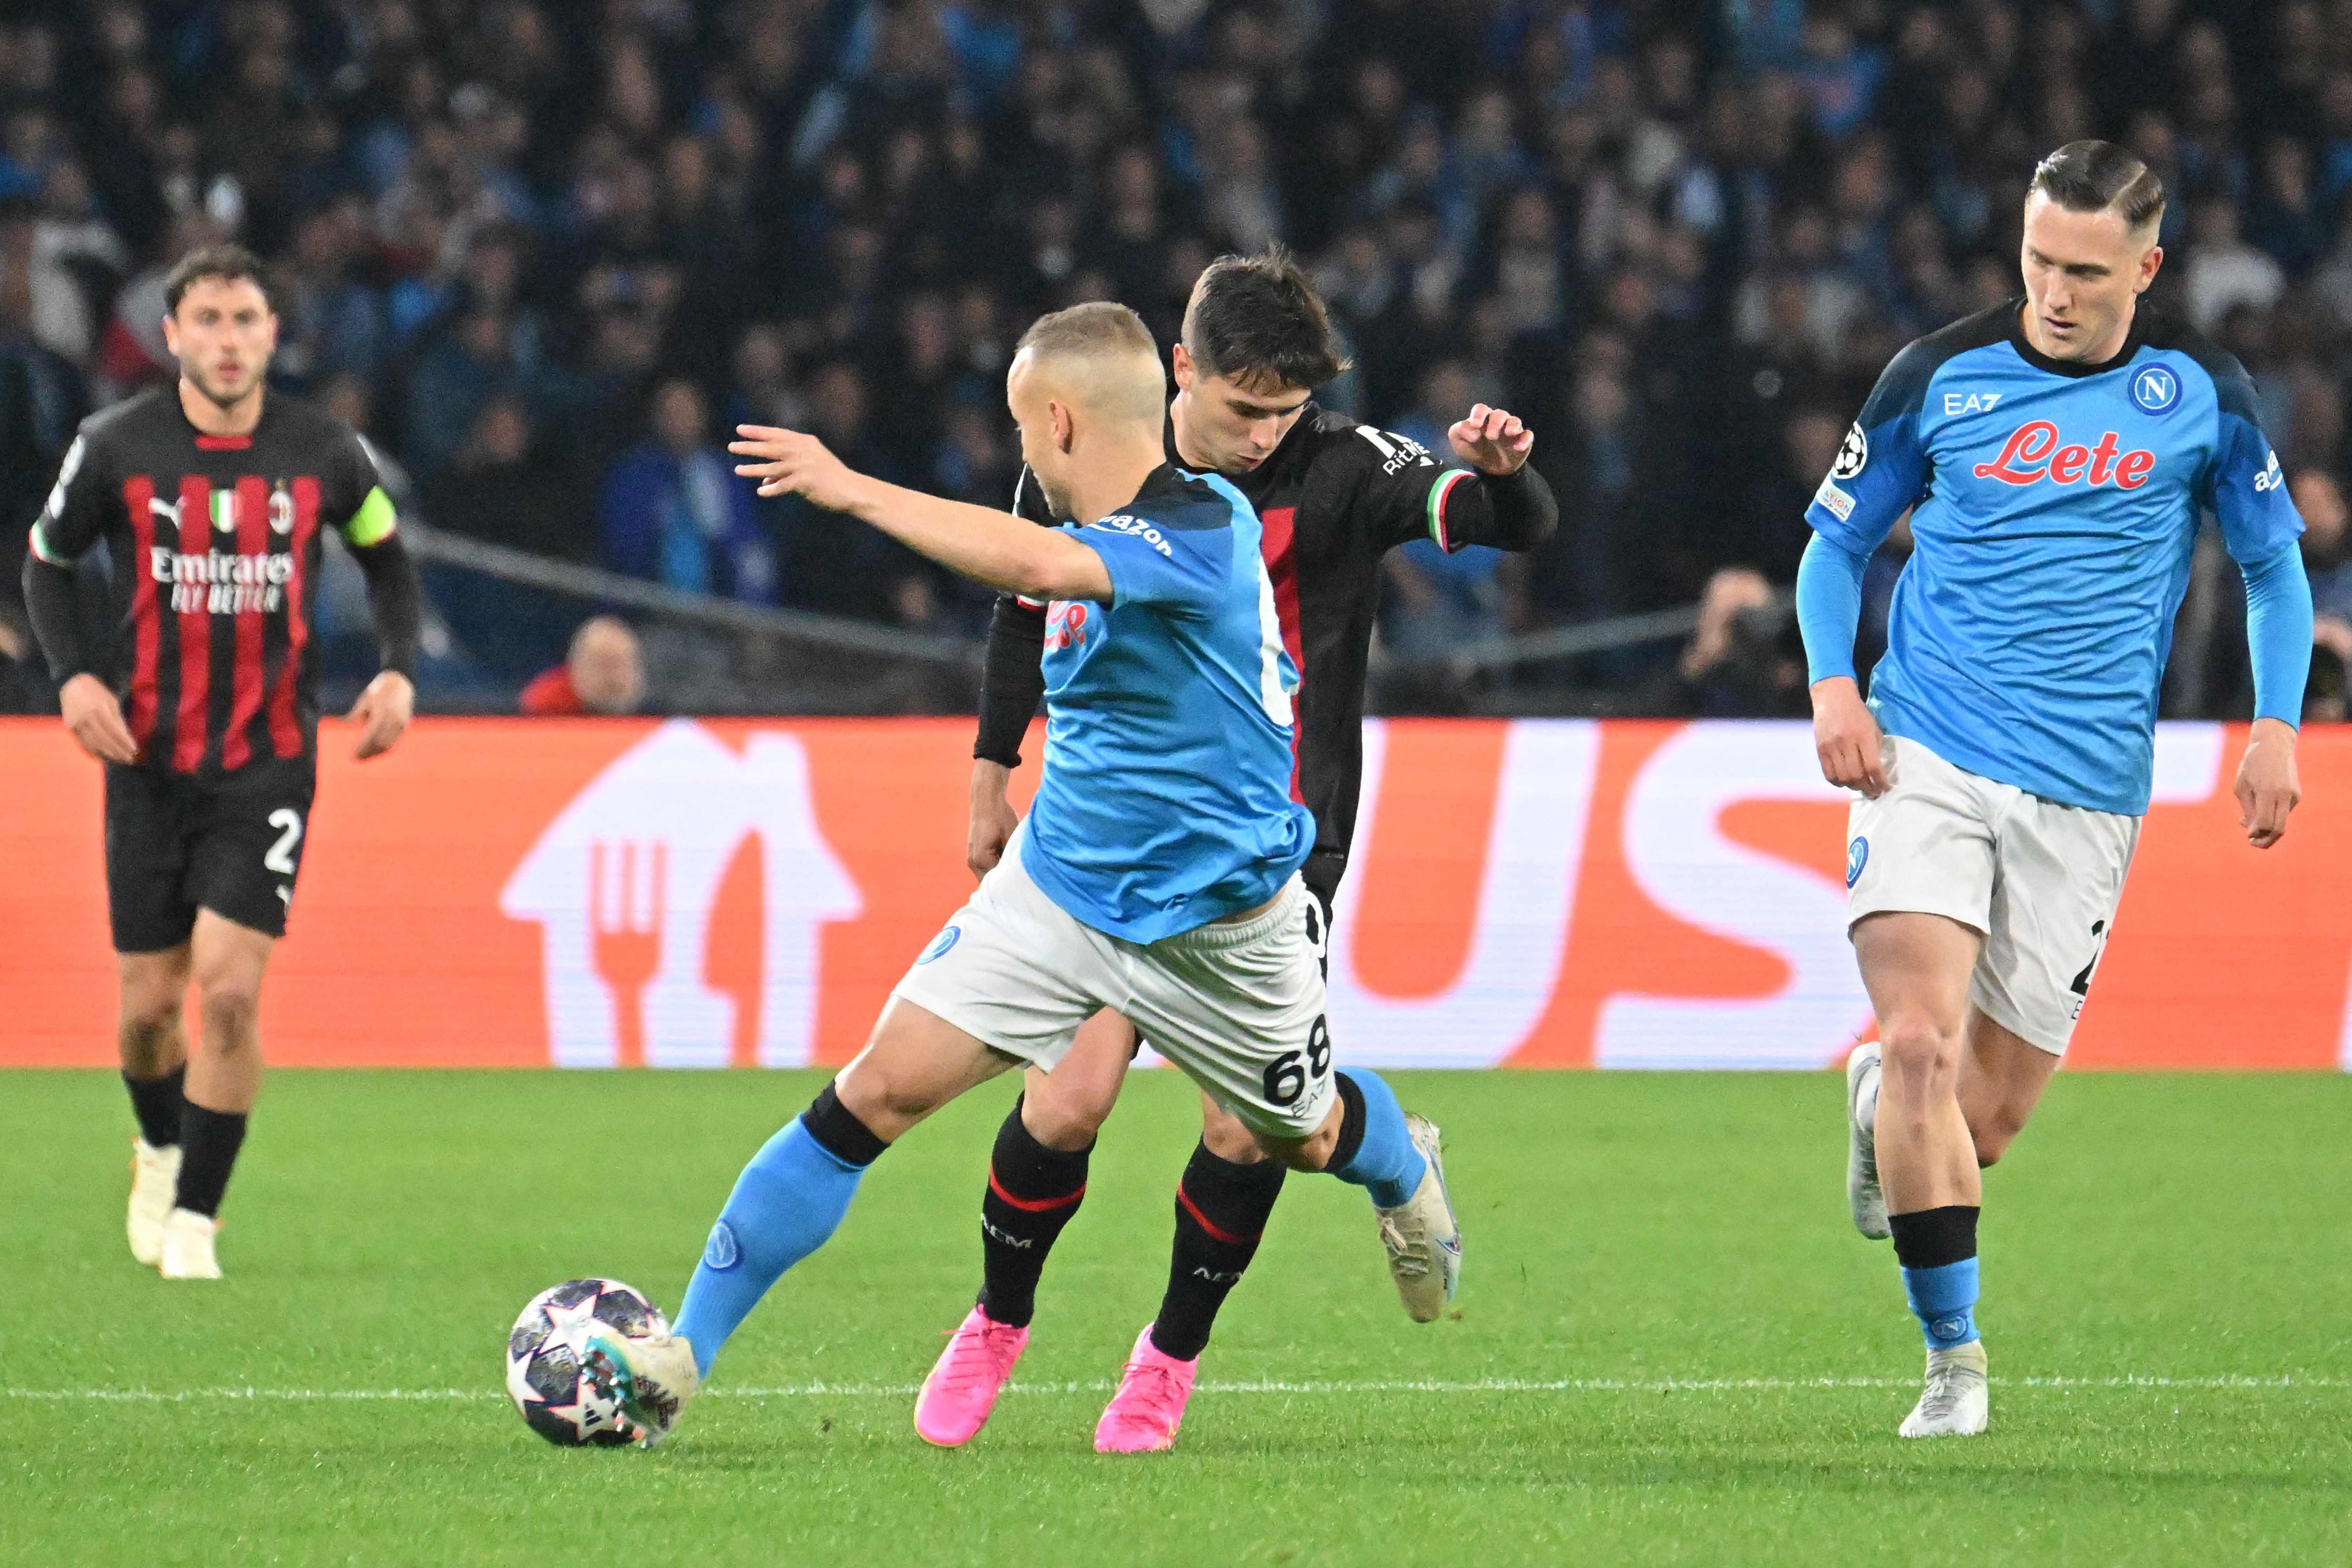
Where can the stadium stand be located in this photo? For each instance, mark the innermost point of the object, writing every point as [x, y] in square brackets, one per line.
[544, 254]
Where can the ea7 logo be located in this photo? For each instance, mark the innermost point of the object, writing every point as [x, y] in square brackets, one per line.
[2269, 479]
[2034, 452]
[1969, 401]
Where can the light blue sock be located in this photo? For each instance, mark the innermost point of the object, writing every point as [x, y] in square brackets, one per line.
[1386, 1165]
[1945, 1302]
[787, 1203]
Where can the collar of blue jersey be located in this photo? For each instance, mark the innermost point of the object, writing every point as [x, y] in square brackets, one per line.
[2042, 361]
[1166, 480]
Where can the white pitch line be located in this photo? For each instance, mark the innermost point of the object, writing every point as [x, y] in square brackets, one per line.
[1485, 1385]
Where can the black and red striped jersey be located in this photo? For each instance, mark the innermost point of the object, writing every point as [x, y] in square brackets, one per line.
[216, 544]
[1333, 498]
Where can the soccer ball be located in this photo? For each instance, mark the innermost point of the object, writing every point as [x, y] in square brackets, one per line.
[567, 1392]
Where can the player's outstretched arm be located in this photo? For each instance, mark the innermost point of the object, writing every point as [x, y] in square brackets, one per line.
[1500, 500]
[1492, 440]
[993, 547]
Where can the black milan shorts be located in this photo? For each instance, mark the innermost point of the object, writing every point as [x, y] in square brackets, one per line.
[230, 843]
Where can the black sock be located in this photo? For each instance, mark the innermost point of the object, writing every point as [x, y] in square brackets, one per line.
[1033, 1191]
[1351, 1123]
[157, 1101]
[1930, 1238]
[209, 1141]
[1220, 1214]
[838, 1131]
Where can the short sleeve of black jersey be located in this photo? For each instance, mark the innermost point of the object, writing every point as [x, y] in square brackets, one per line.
[1012, 679]
[74, 517]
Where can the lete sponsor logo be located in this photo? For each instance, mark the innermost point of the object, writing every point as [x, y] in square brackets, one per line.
[2034, 451]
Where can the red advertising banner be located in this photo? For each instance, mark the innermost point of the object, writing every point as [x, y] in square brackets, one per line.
[1537, 893]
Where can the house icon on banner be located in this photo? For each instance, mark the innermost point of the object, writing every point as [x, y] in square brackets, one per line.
[623, 884]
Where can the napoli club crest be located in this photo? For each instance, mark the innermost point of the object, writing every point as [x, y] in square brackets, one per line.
[2155, 389]
[1857, 856]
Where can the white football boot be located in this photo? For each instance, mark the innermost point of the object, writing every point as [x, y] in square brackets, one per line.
[655, 1377]
[1423, 1243]
[154, 1183]
[188, 1247]
[1863, 1193]
[1957, 1400]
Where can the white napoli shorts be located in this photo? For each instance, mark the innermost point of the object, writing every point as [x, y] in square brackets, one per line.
[2039, 880]
[1237, 1006]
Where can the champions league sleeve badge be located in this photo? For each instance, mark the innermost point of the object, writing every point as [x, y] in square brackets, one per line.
[1853, 453]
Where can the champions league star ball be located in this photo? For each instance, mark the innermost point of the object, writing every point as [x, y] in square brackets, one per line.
[568, 1392]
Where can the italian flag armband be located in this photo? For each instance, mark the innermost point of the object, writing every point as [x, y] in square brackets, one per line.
[1438, 491]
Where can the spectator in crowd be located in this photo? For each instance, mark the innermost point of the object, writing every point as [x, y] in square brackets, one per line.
[672, 510]
[501, 491]
[2325, 698]
[1682, 238]
[604, 673]
[2327, 551]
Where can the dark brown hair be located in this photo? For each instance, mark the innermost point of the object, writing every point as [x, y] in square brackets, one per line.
[1255, 320]
[229, 263]
[2099, 176]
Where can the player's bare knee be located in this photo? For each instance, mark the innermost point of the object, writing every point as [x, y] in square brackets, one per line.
[232, 1008]
[148, 1040]
[151, 1013]
[1223, 1135]
[1064, 1116]
[1917, 1047]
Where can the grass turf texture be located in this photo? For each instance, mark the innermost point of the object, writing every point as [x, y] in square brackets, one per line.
[1625, 1231]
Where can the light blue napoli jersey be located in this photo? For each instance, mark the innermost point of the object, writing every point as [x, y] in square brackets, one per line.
[2054, 507]
[1166, 799]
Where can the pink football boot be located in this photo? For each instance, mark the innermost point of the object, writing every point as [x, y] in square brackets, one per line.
[1143, 1416]
[962, 1391]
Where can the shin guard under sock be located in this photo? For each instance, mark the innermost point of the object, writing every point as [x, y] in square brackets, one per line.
[209, 1141]
[1220, 1214]
[1938, 1251]
[159, 1103]
[1033, 1191]
[787, 1203]
[1375, 1151]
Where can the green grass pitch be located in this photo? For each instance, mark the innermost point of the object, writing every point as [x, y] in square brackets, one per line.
[1670, 1348]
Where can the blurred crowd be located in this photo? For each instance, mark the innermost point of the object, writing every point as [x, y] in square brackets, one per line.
[546, 253]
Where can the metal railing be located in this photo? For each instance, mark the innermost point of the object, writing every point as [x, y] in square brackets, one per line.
[593, 584]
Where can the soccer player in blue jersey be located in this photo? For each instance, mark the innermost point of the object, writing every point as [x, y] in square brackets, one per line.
[2054, 454]
[1157, 872]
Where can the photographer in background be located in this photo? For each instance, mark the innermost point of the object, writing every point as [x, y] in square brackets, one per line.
[1743, 662]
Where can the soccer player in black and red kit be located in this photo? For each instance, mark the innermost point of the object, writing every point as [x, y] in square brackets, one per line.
[1334, 496]
[200, 695]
